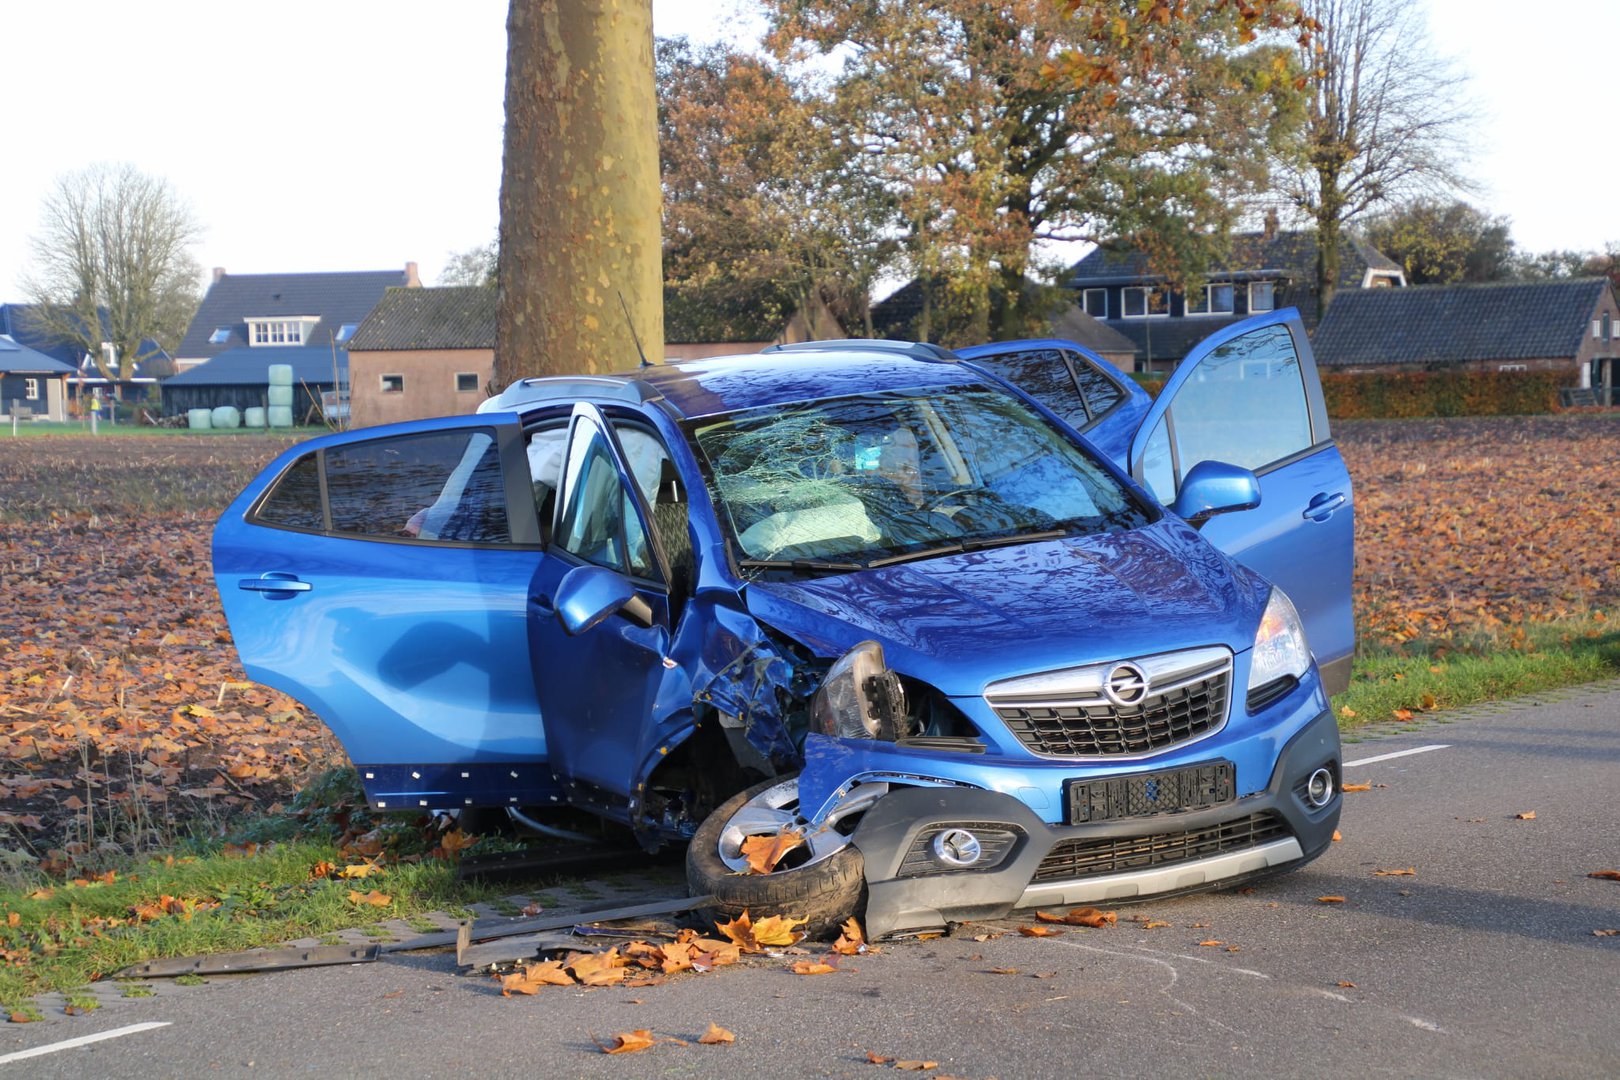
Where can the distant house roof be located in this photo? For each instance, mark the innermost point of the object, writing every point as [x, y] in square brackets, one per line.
[454, 317]
[1096, 335]
[1449, 324]
[17, 359]
[336, 298]
[18, 322]
[248, 366]
[1254, 255]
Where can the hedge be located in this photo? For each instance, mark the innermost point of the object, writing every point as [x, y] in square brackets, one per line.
[1441, 393]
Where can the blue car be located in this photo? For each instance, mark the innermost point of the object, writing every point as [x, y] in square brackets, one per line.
[955, 634]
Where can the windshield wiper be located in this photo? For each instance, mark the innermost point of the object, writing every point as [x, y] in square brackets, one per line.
[953, 547]
[1016, 538]
[802, 566]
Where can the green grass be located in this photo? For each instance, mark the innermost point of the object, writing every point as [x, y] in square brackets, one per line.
[69, 935]
[1423, 677]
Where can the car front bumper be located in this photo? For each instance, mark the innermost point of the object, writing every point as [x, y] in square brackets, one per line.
[1025, 862]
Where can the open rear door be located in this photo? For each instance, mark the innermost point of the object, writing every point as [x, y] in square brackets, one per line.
[1249, 395]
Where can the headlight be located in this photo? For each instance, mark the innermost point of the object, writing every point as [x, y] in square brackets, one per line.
[1279, 644]
[860, 697]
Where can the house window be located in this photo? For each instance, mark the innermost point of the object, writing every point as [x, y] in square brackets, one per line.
[393, 384]
[279, 331]
[31, 389]
[1094, 302]
[1608, 327]
[346, 331]
[1143, 302]
[1262, 296]
[1211, 300]
[1511, 367]
[466, 382]
[220, 335]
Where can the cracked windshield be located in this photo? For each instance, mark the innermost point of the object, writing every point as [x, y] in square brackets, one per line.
[910, 474]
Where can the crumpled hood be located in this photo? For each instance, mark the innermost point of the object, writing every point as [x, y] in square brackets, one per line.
[959, 622]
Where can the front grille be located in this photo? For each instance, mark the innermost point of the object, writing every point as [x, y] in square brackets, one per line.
[1088, 712]
[1072, 859]
[1102, 729]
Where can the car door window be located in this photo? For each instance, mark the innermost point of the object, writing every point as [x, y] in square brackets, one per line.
[1044, 376]
[1244, 405]
[600, 522]
[294, 502]
[1101, 392]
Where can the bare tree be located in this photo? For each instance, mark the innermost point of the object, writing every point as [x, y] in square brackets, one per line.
[112, 263]
[579, 190]
[474, 266]
[1387, 116]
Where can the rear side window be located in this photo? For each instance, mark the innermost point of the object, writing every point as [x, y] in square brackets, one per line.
[445, 487]
[1101, 392]
[295, 502]
[1043, 375]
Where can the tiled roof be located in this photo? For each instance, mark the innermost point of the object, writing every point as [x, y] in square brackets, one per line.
[1252, 253]
[20, 359]
[1096, 335]
[18, 322]
[454, 317]
[1449, 324]
[247, 366]
[337, 298]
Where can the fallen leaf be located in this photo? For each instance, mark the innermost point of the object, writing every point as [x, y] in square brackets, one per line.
[1528, 815]
[29, 1018]
[764, 852]
[598, 969]
[1347, 712]
[813, 967]
[716, 1035]
[1595, 933]
[531, 977]
[360, 870]
[1403, 715]
[374, 898]
[1038, 931]
[875, 1060]
[1355, 787]
[1611, 875]
[851, 941]
[627, 1042]
[1408, 872]
[1330, 899]
[1211, 943]
[531, 910]
[1044, 975]
[1347, 985]
[916, 1066]
[1336, 836]
[456, 841]
[1003, 971]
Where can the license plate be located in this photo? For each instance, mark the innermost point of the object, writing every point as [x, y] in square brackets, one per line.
[1196, 787]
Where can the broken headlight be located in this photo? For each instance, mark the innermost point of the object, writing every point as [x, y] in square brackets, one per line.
[860, 698]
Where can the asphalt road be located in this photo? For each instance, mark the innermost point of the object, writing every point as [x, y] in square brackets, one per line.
[1483, 963]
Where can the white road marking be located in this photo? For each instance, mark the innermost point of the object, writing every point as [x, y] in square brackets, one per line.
[1398, 753]
[82, 1040]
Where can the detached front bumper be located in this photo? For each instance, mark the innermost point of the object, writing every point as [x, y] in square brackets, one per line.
[1024, 862]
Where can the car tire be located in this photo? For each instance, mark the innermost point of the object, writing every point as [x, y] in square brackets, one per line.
[825, 891]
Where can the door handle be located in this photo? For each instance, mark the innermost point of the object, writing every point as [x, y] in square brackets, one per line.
[1322, 506]
[274, 583]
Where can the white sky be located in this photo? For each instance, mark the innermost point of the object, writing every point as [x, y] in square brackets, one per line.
[359, 134]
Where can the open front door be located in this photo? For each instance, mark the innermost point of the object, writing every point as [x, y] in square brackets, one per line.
[598, 685]
[380, 577]
[1249, 395]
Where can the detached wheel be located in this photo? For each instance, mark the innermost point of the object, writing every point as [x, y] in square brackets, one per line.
[823, 879]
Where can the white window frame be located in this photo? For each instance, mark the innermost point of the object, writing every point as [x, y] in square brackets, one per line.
[382, 381]
[1512, 367]
[1272, 306]
[281, 332]
[31, 389]
[1085, 302]
[1147, 292]
[1208, 306]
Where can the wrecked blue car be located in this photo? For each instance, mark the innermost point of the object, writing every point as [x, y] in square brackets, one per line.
[972, 632]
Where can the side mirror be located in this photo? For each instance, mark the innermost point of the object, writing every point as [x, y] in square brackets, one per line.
[1214, 487]
[588, 595]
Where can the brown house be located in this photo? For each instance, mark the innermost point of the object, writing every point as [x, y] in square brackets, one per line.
[422, 352]
[1565, 326]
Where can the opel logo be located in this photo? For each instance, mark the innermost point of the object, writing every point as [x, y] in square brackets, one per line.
[1126, 685]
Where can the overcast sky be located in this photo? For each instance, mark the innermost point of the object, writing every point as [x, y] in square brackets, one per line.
[359, 134]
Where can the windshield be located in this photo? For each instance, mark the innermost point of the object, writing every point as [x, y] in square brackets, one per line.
[907, 473]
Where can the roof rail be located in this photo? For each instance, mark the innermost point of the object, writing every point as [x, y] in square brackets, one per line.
[917, 350]
[544, 388]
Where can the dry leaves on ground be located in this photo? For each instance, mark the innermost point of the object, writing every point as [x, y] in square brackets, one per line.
[764, 852]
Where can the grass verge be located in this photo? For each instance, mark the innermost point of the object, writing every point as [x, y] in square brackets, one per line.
[1425, 676]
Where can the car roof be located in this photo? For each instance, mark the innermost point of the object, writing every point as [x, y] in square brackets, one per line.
[696, 388]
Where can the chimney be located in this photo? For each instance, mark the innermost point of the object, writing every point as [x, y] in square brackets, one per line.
[412, 279]
[219, 272]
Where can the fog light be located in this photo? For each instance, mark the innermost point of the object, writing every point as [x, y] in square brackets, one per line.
[1319, 788]
[957, 847]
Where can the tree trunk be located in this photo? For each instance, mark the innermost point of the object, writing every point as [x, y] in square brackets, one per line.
[1327, 245]
[579, 191]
